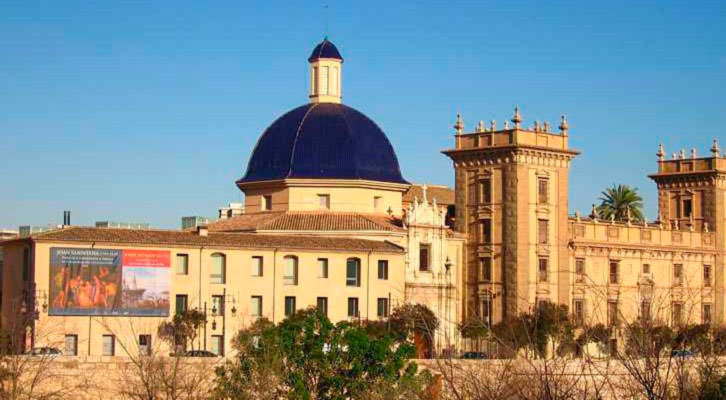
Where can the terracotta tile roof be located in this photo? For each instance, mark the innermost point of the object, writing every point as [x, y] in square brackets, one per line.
[444, 195]
[190, 238]
[307, 221]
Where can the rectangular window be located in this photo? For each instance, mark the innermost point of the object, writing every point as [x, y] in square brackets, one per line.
[109, 345]
[145, 345]
[382, 307]
[677, 313]
[218, 269]
[485, 231]
[543, 231]
[267, 202]
[324, 201]
[687, 208]
[542, 276]
[322, 267]
[71, 345]
[377, 203]
[485, 311]
[353, 307]
[289, 305]
[334, 80]
[257, 266]
[352, 272]
[485, 269]
[707, 275]
[677, 274]
[217, 345]
[290, 277]
[182, 264]
[324, 80]
[612, 313]
[580, 270]
[181, 303]
[217, 305]
[424, 250]
[383, 269]
[485, 191]
[256, 306]
[542, 191]
[646, 269]
[579, 311]
[322, 304]
[706, 314]
[613, 272]
[645, 310]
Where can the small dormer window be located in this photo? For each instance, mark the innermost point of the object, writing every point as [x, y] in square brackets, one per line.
[324, 201]
[267, 203]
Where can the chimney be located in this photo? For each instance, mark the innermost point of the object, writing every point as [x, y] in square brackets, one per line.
[66, 218]
[202, 230]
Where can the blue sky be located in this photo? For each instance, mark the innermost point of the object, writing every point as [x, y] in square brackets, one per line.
[148, 110]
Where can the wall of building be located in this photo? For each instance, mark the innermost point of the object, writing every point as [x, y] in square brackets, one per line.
[631, 247]
[240, 285]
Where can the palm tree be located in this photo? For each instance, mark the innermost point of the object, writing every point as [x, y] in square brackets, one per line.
[618, 201]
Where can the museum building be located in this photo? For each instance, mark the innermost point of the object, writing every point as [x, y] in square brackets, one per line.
[329, 222]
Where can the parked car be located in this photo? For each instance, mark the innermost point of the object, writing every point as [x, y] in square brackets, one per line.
[682, 353]
[475, 355]
[45, 351]
[198, 353]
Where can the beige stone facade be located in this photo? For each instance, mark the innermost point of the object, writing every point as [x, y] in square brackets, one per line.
[512, 204]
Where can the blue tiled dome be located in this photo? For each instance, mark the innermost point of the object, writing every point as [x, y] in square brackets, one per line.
[325, 49]
[323, 140]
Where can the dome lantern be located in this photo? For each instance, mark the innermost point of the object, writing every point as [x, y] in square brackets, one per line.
[326, 70]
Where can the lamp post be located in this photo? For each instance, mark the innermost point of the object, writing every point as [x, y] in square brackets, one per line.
[447, 304]
[222, 310]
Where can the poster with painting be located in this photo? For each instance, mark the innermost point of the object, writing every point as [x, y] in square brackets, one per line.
[108, 282]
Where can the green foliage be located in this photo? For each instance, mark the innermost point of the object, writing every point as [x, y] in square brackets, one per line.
[474, 328]
[618, 200]
[182, 329]
[533, 331]
[308, 357]
[410, 319]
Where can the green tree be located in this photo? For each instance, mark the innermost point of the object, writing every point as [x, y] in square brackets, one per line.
[621, 201]
[182, 329]
[308, 357]
[548, 323]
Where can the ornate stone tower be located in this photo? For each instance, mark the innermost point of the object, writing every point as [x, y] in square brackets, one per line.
[511, 202]
[692, 196]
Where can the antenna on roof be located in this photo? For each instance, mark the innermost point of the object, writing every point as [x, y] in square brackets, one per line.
[325, 16]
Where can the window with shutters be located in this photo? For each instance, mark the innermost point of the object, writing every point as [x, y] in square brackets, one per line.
[543, 267]
[543, 231]
[485, 231]
[485, 269]
[579, 311]
[424, 253]
[485, 191]
[219, 266]
[290, 277]
[580, 270]
[542, 190]
[352, 272]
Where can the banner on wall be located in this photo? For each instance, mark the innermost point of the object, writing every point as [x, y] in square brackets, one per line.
[109, 282]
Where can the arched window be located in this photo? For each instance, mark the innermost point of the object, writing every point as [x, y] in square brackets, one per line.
[290, 277]
[352, 272]
[219, 268]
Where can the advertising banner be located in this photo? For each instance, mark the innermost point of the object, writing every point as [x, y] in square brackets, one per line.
[108, 282]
